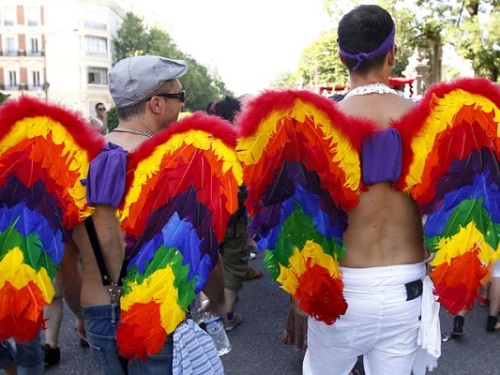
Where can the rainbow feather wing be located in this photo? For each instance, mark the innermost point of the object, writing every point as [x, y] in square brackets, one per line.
[453, 175]
[182, 189]
[44, 153]
[301, 166]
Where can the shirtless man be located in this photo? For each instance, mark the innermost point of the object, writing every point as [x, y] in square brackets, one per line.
[148, 97]
[384, 262]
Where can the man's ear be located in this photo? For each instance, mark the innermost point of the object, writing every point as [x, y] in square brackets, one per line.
[154, 104]
[391, 57]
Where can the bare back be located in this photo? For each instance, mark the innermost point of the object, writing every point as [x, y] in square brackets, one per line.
[385, 228]
[111, 240]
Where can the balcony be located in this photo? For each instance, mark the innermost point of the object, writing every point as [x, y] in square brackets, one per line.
[97, 87]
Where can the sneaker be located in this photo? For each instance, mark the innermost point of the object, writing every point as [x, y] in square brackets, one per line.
[52, 355]
[84, 343]
[458, 326]
[253, 255]
[231, 324]
[491, 323]
[252, 274]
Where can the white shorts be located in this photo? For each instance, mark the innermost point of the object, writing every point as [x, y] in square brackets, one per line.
[495, 269]
[379, 324]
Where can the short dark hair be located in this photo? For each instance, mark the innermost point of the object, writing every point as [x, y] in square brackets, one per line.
[364, 29]
[97, 105]
[227, 108]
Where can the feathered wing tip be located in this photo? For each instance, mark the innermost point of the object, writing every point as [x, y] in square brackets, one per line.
[44, 153]
[452, 172]
[301, 166]
[182, 189]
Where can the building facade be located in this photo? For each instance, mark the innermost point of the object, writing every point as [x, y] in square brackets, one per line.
[59, 50]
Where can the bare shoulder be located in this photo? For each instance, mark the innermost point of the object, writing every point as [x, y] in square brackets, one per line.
[382, 109]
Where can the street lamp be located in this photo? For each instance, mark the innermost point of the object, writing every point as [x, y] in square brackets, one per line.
[45, 39]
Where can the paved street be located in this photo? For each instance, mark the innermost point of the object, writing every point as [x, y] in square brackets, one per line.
[257, 347]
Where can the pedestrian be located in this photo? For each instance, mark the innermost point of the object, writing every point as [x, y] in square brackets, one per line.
[100, 120]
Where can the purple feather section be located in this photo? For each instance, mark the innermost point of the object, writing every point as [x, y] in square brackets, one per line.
[37, 199]
[185, 206]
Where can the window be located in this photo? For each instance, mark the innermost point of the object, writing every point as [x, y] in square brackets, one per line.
[34, 50]
[33, 14]
[12, 79]
[9, 16]
[35, 78]
[10, 46]
[95, 44]
[98, 76]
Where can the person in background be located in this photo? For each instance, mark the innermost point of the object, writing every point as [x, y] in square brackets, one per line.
[100, 120]
[237, 245]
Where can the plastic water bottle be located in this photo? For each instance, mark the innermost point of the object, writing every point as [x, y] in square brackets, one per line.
[215, 328]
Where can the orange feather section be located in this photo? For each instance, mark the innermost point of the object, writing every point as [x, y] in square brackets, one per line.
[140, 330]
[21, 311]
[457, 283]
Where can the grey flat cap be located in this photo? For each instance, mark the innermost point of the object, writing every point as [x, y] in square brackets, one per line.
[134, 79]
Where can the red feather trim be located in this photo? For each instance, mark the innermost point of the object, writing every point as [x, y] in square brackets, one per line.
[412, 122]
[84, 134]
[197, 121]
[320, 295]
[258, 109]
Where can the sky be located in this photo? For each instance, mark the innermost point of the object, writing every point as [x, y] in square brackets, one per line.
[249, 43]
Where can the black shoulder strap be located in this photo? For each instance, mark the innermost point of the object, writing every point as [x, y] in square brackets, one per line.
[94, 241]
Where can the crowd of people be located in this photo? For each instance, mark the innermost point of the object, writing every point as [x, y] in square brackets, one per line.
[384, 269]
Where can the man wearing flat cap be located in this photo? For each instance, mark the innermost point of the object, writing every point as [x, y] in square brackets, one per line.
[148, 97]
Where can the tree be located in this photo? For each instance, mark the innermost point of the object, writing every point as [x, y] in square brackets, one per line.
[134, 38]
[3, 97]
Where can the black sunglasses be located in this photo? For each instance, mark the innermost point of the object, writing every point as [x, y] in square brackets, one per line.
[181, 95]
[101, 108]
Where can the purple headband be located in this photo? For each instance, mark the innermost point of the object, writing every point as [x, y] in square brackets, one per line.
[362, 56]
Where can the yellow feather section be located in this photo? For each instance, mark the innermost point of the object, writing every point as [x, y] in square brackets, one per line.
[60, 136]
[466, 239]
[14, 260]
[251, 149]
[441, 117]
[153, 289]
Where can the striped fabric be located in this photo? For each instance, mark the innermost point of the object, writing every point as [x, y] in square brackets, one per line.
[194, 351]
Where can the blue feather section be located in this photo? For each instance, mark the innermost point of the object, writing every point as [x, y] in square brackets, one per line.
[28, 222]
[437, 221]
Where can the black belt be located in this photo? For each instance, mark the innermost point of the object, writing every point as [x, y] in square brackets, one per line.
[414, 289]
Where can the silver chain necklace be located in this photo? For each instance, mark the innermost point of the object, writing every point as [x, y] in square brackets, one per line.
[133, 131]
[373, 88]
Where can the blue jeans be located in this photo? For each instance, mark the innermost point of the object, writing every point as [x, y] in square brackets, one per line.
[100, 324]
[28, 355]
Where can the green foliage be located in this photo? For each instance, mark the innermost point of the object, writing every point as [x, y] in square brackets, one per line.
[112, 118]
[3, 97]
[134, 38]
[287, 80]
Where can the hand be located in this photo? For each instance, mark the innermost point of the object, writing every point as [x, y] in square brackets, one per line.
[296, 308]
[80, 328]
[216, 309]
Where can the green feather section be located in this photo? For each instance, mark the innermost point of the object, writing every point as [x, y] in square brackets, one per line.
[470, 210]
[164, 257]
[31, 247]
[297, 229]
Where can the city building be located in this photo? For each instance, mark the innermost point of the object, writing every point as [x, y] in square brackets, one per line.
[59, 50]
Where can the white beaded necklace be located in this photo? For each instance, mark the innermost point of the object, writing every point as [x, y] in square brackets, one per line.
[372, 88]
